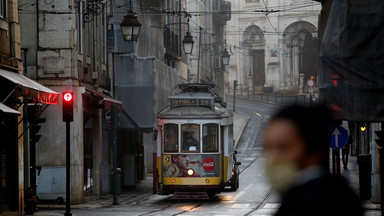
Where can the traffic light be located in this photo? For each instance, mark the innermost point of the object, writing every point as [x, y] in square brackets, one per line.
[234, 83]
[67, 106]
[380, 136]
[34, 129]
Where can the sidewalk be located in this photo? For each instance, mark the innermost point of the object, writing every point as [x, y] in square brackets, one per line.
[352, 176]
[240, 120]
[142, 191]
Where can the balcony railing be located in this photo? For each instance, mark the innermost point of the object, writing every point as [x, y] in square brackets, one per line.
[171, 44]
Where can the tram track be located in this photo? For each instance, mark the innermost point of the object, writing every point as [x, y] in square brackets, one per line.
[260, 203]
[256, 127]
[195, 206]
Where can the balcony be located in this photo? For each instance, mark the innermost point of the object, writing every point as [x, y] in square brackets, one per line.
[223, 12]
[171, 44]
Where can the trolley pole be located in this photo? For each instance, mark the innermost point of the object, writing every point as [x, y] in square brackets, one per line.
[115, 111]
[234, 94]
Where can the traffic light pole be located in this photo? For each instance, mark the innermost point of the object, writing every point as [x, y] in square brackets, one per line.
[68, 171]
[67, 100]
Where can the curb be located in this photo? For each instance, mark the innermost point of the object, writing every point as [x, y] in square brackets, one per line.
[258, 100]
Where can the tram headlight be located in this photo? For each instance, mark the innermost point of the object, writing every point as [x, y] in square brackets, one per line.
[190, 172]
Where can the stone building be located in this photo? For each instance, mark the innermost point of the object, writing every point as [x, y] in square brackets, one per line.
[274, 45]
[65, 48]
[146, 70]
[19, 97]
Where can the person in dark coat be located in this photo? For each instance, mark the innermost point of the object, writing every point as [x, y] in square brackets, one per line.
[296, 147]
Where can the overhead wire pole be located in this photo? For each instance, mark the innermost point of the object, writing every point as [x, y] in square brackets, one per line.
[198, 59]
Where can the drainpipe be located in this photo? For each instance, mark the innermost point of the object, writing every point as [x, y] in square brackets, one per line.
[37, 40]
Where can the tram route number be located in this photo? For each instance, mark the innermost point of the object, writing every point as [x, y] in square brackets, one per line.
[188, 102]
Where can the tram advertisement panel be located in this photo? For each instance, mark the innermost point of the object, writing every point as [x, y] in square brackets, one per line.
[180, 165]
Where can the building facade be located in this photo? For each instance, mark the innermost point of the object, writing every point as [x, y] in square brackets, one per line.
[274, 45]
[65, 48]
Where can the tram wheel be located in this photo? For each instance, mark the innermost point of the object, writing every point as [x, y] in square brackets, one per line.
[211, 195]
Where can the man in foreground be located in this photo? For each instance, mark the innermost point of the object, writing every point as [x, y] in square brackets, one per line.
[296, 151]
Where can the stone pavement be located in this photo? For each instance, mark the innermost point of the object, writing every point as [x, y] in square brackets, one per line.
[143, 189]
[352, 175]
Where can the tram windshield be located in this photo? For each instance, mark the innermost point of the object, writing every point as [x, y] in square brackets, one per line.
[210, 138]
[190, 138]
[171, 132]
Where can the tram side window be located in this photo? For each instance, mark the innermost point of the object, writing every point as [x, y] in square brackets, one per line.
[190, 138]
[210, 138]
[171, 138]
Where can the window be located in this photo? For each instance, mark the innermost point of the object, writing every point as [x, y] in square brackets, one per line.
[252, 1]
[210, 138]
[3, 4]
[190, 138]
[171, 141]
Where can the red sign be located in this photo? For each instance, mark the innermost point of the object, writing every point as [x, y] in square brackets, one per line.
[68, 96]
[208, 164]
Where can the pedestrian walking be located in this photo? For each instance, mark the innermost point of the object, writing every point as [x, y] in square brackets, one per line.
[345, 153]
[296, 147]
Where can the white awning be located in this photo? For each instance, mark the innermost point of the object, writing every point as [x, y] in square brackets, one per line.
[6, 109]
[31, 89]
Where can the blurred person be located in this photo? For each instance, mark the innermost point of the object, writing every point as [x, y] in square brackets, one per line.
[296, 145]
[345, 153]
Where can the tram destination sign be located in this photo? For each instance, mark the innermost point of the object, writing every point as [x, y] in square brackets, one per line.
[190, 102]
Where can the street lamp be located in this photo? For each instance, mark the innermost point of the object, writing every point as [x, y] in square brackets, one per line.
[188, 43]
[225, 57]
[130, 27]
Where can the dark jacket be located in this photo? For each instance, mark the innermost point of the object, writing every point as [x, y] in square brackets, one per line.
[323, 196]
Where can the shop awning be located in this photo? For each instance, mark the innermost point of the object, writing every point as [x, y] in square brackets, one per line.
[30, 89]
[104, 100]
[6, 109]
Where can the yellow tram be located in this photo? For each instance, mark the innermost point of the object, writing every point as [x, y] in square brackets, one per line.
[195, 144]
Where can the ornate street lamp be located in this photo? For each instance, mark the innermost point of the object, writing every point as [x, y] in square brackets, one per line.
[225, 57]
[188, 43]
[130, 27]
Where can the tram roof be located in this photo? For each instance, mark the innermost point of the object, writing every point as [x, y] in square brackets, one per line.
[194, 112]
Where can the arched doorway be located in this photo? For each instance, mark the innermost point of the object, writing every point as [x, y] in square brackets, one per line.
[253, 44]
[301, 59]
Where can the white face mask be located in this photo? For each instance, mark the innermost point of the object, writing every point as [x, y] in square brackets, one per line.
[281, 175]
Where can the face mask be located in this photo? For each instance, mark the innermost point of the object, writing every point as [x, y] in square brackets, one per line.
[281, 175]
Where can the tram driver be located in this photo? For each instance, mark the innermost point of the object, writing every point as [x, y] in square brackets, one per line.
[190, 143]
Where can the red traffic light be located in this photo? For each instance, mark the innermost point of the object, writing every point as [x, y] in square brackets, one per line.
[68, 96]
[67, 106]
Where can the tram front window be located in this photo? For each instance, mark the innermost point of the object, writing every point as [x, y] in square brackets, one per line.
[171, 138]
[210, 138]
[190, 138]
